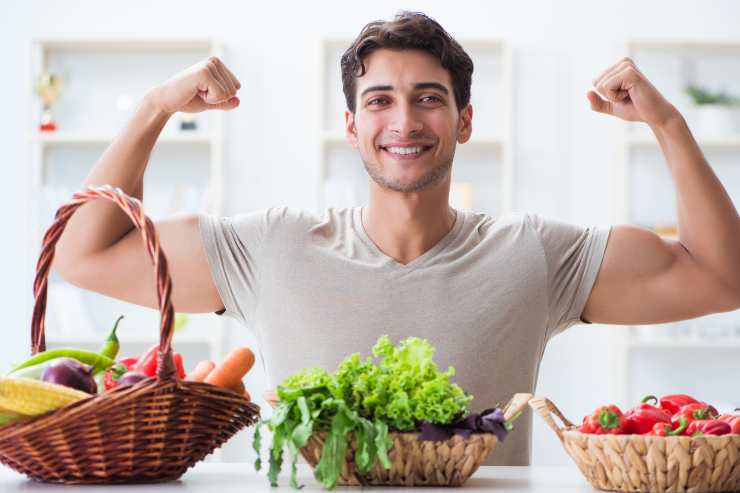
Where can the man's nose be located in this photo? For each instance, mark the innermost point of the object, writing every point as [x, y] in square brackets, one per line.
[405, 122]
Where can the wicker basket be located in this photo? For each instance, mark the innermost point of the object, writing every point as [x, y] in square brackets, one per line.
[150, 432]
[415, 462]
[648, 463]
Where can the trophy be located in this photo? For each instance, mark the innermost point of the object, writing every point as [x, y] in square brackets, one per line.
[48, 87]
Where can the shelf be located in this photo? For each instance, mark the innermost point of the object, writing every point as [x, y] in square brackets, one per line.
[93, 113]
[60, 138]
[721, 143]
[125, 44]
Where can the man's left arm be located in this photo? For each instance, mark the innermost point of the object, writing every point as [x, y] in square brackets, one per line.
[647, 279]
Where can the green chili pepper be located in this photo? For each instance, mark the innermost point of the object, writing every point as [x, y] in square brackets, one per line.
[111, 345]
[34, 371]
[98, 361]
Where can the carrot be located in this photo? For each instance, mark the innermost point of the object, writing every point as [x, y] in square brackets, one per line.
[238, 387]
[201, 371]
[232, 369]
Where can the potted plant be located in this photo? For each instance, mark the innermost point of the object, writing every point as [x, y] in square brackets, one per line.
[715, 111]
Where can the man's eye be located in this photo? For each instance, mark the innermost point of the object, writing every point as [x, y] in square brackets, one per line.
[430, 99]
[377, 101]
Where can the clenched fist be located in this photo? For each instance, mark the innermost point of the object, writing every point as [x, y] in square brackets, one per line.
[627, 94]
[204, 86]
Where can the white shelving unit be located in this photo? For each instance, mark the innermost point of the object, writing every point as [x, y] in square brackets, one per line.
[645, 195]
[483, 171]
[104, 79]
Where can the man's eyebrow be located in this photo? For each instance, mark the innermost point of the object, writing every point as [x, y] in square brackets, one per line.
[376, 88]
[432, 85]
[417, 86]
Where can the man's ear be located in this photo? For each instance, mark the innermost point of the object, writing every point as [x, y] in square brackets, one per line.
[350, 131]
[465, 124]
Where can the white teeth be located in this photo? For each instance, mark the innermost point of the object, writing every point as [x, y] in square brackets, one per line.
[404, 150]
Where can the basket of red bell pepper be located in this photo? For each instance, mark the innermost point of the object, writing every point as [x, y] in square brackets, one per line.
[672, 443]
[671, 415]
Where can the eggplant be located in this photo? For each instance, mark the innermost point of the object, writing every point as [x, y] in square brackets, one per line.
[131, 378]
[71, 373]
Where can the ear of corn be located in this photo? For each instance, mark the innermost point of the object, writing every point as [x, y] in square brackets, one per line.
[9, 417]
[32, 397]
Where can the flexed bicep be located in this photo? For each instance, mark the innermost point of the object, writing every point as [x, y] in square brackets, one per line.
[124, 271]
[646, 279]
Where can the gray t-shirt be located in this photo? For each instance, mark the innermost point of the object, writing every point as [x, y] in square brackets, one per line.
[488, 295]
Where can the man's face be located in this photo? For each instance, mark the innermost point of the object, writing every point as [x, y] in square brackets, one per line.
[406, 122]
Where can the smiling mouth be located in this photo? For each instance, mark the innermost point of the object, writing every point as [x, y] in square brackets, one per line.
[405, 152]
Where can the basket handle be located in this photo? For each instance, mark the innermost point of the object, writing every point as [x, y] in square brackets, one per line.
[516, 405]
[545, 408]
[134, 210]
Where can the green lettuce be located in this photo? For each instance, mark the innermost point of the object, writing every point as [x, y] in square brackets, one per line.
[364, 398]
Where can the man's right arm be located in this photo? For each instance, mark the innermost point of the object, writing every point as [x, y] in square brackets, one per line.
[100, 250]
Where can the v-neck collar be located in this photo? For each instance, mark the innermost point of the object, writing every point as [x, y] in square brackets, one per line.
[421, 259]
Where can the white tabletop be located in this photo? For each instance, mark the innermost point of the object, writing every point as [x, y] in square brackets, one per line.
[241, 478]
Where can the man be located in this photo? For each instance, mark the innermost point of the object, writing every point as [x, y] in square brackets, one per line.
[487, 292]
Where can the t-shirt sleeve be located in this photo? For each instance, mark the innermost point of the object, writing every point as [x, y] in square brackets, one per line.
[232, 246]
[573, 256]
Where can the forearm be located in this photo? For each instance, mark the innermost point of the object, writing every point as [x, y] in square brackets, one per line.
[708, 223]
[99, 224]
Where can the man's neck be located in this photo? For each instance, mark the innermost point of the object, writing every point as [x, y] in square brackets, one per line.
[405, 225]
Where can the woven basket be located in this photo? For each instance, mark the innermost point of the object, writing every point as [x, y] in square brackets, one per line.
[150, 432]
[647, 463]
[415, 462]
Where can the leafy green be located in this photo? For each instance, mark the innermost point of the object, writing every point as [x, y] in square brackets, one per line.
[702, 96]
[364, 399]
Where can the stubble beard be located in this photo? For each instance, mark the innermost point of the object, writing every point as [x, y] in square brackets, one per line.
[428, 180]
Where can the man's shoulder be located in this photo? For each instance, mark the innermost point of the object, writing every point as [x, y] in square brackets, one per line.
[283, 220]
[287, 215]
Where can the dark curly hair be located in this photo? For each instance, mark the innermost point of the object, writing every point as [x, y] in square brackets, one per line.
[408, 30]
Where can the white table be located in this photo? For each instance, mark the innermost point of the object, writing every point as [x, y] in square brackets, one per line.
[241, 478]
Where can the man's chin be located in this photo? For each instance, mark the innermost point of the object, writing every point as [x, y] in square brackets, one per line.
[410, 184]
[407, 185]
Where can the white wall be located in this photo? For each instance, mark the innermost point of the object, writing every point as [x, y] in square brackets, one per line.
[563, 151]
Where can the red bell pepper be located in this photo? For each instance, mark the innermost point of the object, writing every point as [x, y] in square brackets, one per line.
[147, 363]
[695, 411]
[674, 402]
[177, 358]
[642, 419]
[112, 374]
[733, 420]
[605, 420]
[130, 362]
[110, 380]
[665, 429]
[702, 427]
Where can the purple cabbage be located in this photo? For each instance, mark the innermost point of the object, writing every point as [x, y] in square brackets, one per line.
[488, 421]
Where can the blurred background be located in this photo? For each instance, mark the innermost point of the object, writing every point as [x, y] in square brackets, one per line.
[74, 71]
